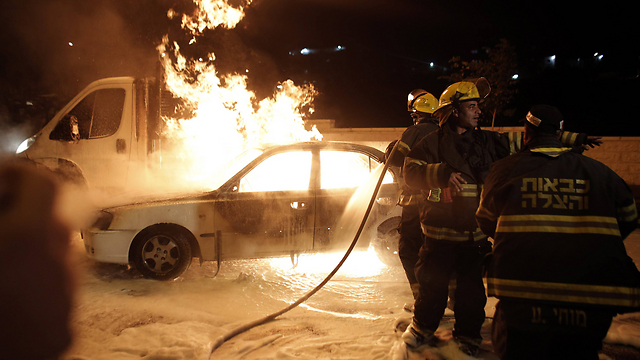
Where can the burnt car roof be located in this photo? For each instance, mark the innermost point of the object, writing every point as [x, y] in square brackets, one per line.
[326, 145]
[267, 151]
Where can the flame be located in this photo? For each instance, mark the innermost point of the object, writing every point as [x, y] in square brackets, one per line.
[227, 117]
[211, 14]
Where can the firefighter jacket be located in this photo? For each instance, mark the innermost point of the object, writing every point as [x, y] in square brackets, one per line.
[447, 215]
[559, 219]
[410, 137]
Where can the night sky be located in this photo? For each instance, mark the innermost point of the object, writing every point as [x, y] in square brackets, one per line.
[388, 48]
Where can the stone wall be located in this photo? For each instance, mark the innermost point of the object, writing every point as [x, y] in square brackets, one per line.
[376, 137]
[621, 154]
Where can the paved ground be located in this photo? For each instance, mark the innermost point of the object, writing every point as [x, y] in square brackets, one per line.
[353, 317]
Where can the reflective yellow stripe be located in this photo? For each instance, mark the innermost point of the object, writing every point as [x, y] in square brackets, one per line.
[411, 199]
[403, 148]
[515, 142]
[512, 148]
[558, 224]
[432, 175]
[627, 213]
[552, 151]
[414, 161]
[572, 138]
[431, 170]
[575, 293]
[483, 212]
[568, 138]
[438, 233]
[468, 190]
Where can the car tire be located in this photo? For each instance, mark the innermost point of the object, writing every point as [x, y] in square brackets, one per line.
[386, 242]
[161, 252]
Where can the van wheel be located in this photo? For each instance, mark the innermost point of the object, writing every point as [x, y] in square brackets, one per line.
[386, 242]
[71, 177]
[161, 252]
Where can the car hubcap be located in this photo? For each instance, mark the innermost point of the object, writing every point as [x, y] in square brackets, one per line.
[160, 254]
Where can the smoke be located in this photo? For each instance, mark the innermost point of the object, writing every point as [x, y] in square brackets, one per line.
[67, 44]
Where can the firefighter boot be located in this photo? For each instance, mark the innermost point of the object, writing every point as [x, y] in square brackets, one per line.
[414, 337]
[468, 345]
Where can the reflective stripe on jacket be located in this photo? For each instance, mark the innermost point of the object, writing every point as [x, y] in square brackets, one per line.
[558, 220]
[430, 163]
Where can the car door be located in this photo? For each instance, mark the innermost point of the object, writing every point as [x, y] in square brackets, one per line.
[341, 173]
[271, 210]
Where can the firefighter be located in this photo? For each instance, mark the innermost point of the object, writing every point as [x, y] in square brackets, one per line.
[421, 105]
[450, 166]
[559, 266]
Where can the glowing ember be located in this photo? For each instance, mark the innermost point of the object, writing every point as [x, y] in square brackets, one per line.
[227, 119]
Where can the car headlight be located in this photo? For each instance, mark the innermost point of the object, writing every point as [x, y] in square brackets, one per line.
[103, 221]
[26, 144]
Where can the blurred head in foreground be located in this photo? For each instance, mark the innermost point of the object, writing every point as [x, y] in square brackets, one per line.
[36, 285]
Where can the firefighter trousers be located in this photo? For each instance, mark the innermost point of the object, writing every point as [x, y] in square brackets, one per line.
[439, 259]
[411, 240]
[525, 330]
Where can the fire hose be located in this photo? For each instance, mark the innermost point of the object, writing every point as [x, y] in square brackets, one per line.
[240, 329]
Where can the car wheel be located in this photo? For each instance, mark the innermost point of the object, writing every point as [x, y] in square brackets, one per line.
[386, 242]
[161, 252]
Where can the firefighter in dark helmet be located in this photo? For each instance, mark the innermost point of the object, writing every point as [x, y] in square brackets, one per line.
[559, 265]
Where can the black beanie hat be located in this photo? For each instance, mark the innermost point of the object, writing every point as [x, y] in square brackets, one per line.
[544, 118]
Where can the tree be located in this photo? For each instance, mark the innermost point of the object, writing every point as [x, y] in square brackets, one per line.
[498, 68]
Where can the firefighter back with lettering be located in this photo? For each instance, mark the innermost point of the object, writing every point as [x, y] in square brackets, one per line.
[421, 105]
[559, 265]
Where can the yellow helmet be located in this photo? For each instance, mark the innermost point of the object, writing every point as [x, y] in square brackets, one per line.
[465, 90]
[469, 89]
[422, 101]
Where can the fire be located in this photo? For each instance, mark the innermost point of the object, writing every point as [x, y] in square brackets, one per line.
[211, 14]
[228, 119]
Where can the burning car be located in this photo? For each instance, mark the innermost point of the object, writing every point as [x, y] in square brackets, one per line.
[283, 200]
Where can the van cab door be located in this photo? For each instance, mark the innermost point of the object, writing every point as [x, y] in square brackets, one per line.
[95, 135]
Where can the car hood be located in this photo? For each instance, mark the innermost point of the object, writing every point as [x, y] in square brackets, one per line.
[162, 199]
